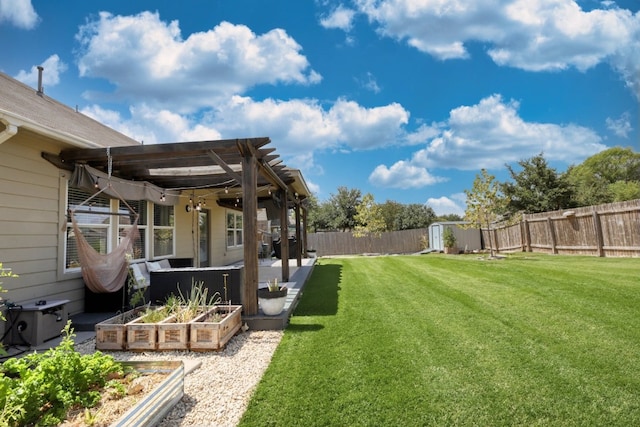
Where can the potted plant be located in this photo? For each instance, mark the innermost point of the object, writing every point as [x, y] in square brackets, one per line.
[449, 240]
[272, 298]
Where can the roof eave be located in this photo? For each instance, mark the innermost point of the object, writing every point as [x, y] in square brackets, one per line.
[22, 122]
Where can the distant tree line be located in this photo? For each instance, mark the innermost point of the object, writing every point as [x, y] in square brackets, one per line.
[349, 210]
[610, 176]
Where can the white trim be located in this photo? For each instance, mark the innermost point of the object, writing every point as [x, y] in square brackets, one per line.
[22, 122]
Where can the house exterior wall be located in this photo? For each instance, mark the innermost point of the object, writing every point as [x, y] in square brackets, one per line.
[32, 223]
[220, 254]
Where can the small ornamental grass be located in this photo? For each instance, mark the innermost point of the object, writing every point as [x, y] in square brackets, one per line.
[433, 340]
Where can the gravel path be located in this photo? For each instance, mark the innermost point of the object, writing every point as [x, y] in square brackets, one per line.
[216, 393]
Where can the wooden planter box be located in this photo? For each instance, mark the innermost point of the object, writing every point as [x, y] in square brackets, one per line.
[111, 334]
[173, 335]
[142, 336]
[206, 334]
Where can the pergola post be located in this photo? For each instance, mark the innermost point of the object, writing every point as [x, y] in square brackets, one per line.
[250, 231]
[304, 231]
[284, 236]
[298, 235]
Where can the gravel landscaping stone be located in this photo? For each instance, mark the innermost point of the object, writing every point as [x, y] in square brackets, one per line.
[219, 385]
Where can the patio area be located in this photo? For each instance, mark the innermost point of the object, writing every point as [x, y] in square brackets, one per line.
[268, 269]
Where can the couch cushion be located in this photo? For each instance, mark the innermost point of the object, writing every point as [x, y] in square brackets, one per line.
[153, 266]
[164, 263]
[141, 277]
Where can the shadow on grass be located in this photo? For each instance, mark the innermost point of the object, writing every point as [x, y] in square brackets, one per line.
[320, 297]
[295, 327]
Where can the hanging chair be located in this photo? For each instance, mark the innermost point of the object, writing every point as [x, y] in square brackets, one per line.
[104, 273]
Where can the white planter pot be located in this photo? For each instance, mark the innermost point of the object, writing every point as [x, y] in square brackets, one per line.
[272, 306]
[272, 303]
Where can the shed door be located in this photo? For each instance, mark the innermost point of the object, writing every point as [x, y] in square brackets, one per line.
[436, 242]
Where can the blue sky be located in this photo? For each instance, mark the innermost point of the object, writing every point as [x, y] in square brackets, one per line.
[402, 99]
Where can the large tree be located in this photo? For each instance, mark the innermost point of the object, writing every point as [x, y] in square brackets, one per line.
[345, 204]
[320, 217]
[609, 176]
[390, 211]
[369, 219]
[536, 187]
[414, 215]
[485, 203]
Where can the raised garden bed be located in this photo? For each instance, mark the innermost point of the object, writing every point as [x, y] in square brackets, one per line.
[150, 410]
[111, 334]
[213, 329]
[210, 330]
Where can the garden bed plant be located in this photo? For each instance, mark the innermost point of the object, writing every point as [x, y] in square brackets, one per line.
[42, 388]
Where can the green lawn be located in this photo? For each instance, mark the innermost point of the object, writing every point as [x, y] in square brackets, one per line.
[455, 340]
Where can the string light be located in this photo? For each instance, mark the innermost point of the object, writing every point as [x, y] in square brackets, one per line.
[226, 190]
[162, 198]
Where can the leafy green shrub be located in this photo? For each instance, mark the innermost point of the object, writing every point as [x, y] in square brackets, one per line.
[40, 388]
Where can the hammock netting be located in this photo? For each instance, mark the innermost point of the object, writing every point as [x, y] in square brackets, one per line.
[104, 273]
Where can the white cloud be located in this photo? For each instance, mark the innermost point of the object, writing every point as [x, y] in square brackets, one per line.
[445, 205]
[621, 126]
[402, 175]
[153, 126]
[298, 127]
[369, 83]
[340, 18]
[534, 35]
[19, 13]
[491, 133]
[144, 56]
[53, 67]
[487, 135]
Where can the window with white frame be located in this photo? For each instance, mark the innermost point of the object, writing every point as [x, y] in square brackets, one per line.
[99, 226]
[234, 229]
[95, 226]
[139, 244]
[163, 230]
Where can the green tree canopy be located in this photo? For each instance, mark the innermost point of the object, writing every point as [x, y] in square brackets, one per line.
[320, 217]
[485, 203]
[345, 204]
[390, 211]
[611, 175]
[414, 216]
[369, 218]
[536, 188]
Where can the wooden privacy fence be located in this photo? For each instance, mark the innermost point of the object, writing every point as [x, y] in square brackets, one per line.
[344, 243]
[611, 230]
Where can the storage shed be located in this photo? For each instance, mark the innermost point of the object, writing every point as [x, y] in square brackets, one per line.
[467, 239]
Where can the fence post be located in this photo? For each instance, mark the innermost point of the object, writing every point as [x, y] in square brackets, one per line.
[526, 236]
[552, 234]
[598, 230]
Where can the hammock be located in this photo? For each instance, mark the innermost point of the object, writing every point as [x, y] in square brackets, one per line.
[104, 273]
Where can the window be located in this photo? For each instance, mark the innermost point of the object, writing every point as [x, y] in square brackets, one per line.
[234, 229]
[163, 230]
[139, 245]
[100, 226]
[95, 227]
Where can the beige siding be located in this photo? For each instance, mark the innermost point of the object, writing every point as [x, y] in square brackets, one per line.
[187, 232]
[30, 224]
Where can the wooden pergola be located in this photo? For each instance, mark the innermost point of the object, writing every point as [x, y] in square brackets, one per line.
[247, 164]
